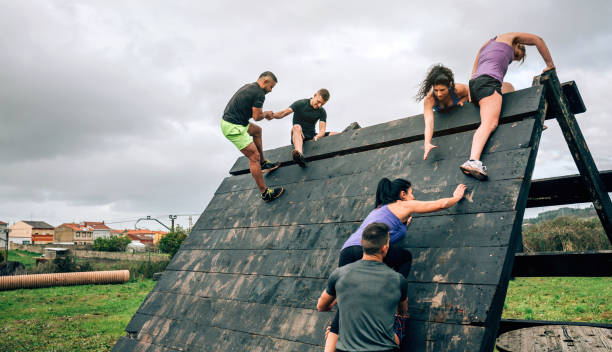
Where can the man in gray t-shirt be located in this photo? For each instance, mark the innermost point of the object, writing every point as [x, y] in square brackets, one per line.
[368, 293]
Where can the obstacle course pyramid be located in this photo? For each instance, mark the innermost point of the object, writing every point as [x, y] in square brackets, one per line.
[249, 275]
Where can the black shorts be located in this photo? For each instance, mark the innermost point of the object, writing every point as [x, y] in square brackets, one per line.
[306, 138]
[482, 87]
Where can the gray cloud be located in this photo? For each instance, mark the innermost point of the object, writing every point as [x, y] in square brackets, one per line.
[110, 110]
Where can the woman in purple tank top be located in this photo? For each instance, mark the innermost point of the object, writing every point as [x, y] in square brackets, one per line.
[394, 207]
[486, 87]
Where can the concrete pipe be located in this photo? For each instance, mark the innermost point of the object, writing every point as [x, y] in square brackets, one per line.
[63, 279]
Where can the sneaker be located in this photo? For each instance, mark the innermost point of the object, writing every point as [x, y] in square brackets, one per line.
[298, 158]
[474, 168]
[352, 126]
[271, 194]
[267, 166]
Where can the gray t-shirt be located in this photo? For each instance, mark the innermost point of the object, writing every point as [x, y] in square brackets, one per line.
[368, 293]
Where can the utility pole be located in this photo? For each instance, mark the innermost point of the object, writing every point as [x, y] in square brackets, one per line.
[172, 218]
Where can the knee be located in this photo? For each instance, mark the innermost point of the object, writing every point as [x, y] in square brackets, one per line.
[297, 129]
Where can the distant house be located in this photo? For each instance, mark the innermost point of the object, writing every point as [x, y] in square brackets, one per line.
[3, 233]
[76, 233]
[28, 232]
[100, 230]
[143, 236]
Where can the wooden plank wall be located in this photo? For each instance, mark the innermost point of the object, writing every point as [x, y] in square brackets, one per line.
[249, 275]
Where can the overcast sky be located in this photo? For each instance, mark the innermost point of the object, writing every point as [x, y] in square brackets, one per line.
[109, 110]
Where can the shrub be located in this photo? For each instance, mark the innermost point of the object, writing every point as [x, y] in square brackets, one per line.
[565, 233]
[111, 244]
[172, 241]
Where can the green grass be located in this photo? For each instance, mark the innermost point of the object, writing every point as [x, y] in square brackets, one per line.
[579, 299]
[72, 318]
[25, 258]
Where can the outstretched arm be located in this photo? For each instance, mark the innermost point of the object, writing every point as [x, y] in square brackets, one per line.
[259, 114]
[282, 113]
[416, 206]
[532, 39]
[428, 115]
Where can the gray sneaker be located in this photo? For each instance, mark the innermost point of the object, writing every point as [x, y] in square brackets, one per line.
[474, 168]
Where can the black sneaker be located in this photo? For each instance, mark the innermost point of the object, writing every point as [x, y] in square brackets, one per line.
[267, 166]
[271, 194]
[298, 158]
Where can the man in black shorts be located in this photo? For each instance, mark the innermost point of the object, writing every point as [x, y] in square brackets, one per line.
[306, 113]
[368, 293]
[248, 102]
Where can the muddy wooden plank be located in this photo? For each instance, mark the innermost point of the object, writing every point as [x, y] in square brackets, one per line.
[435, 337]
[469, 265]
[313, 236]
[303, 263]
[127, 344]
[458, 230]
[502, 166]
[185, 334]
[449, 303]
[517, 104]
[295, 324]
[409, 155]
[298, 292]
[480, 197]
[556, 338]
[440, 302]
[545, 192]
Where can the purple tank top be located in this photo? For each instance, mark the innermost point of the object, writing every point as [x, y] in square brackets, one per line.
[397, 228]
[494, 59]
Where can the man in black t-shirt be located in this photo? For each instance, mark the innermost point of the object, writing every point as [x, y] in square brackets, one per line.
[248, 102]
[306, 113]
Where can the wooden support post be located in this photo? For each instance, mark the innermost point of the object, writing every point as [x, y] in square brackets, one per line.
[579, 149]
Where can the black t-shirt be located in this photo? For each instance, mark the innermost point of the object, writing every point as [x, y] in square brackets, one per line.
[306, 116]
[240, 108]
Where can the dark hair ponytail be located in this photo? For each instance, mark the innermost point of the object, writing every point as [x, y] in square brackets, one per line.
[388, 191]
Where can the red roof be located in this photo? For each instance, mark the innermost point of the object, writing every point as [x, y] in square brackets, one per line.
[96, 225]
[74, 227]
[3, 223]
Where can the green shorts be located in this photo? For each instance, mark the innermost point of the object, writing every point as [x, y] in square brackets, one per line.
[236, 134]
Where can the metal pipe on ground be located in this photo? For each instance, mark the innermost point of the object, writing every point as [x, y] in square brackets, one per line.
[63, 279]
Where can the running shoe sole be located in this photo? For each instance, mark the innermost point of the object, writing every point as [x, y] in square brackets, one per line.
[276, 166]
[278, 195]
[473, 172]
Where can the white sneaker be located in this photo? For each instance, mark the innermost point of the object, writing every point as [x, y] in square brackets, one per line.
[474, 168]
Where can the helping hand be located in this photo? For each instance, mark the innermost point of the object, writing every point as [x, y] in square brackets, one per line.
[459, 191]
[428, 148]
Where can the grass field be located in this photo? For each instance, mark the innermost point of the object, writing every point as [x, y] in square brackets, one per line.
[92, 318]
[25, 258]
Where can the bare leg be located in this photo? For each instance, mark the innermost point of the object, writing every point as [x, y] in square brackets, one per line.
[490, 108]
[255, 132]
[333, 133]
[298, 138]
[507, 87]
[330, 342]
[250, 151]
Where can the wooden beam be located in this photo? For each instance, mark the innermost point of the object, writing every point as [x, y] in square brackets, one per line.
[561, 190]
[579, 149]
[542, 264]
[576, 105]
